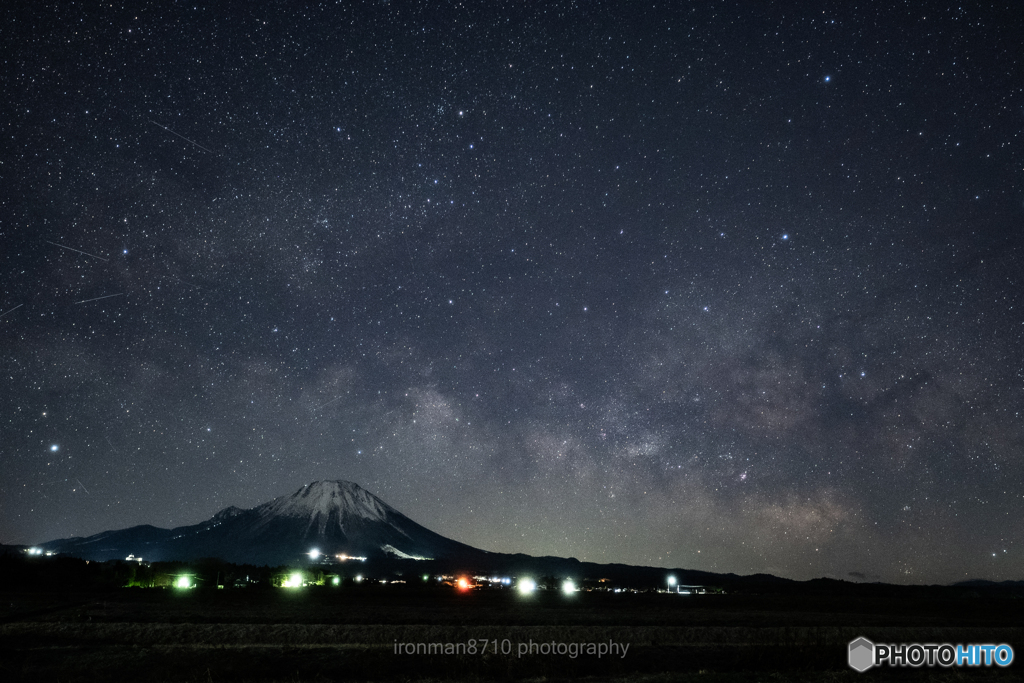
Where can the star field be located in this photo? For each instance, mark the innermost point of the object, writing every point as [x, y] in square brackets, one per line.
[721, 286]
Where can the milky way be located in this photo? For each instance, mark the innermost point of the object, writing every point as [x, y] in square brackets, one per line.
[711, 285]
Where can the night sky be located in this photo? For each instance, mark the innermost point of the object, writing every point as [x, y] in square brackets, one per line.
[730, 286]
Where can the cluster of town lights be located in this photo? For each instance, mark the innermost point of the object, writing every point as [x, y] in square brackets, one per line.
[315, 555]
[524, 585]
[463, 584]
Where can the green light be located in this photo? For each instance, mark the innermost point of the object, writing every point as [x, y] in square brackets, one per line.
[336, 580]
[182, 582]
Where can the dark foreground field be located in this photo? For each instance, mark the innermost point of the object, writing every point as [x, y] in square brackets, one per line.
[350, 634]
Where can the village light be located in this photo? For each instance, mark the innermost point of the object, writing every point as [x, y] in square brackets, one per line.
[527, 586]
[314, 553]
[671, 582]
[568, 586]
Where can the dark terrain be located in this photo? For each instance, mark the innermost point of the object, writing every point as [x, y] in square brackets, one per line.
[349, 633]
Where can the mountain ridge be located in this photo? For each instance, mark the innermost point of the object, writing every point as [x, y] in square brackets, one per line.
[332, 517]
[341, 518]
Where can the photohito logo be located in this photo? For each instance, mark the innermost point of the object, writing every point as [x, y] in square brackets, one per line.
[863, 654]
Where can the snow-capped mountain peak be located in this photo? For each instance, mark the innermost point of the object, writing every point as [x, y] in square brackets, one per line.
[321, 501]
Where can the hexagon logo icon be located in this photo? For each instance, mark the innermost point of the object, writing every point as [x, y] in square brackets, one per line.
[861, 654]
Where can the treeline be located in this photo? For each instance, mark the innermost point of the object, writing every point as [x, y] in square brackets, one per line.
[19, 572]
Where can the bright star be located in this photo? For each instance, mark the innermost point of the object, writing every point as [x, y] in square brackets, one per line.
[54, 448]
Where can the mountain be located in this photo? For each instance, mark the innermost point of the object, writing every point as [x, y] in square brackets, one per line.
[339, 517]
[332, 517]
